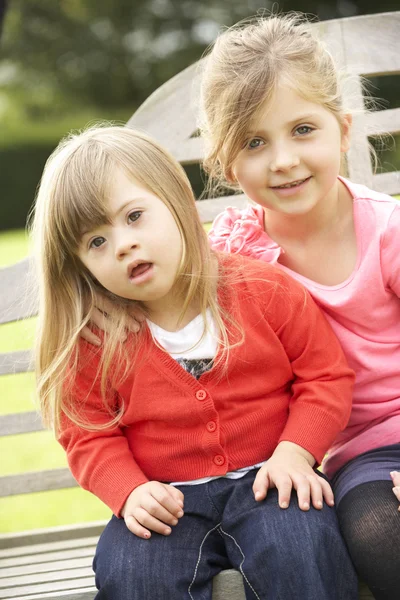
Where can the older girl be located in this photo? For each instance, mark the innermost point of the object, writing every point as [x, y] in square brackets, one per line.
[275, 127]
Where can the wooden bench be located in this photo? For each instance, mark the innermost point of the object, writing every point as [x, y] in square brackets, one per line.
[56, 563]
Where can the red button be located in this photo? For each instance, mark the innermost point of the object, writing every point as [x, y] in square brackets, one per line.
[219, 460]
[201, 394]
[211, 426]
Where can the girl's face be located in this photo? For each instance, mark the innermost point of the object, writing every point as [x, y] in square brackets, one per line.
[137, 256]
[292, 155]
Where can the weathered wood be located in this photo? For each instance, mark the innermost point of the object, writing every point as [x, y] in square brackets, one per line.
[47, 587]
[81, 594]
[36, 481]
[20, 361]
[26, 422]
[18, 298]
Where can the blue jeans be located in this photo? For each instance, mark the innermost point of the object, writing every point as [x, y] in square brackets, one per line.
[282, 554]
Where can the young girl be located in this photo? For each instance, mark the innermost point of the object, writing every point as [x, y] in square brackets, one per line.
[275, 127]
[197, 428]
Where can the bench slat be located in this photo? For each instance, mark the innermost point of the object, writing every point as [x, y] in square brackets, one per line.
[46, 567]
[47, 577]
[41, 588]
[20, 361]
[387, 183]
[18, 298]
[209, 209]
[81, 594]
[49, 557]
[36, 481]
[25, 422]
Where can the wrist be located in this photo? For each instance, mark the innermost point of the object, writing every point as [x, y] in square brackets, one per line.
[290, 448]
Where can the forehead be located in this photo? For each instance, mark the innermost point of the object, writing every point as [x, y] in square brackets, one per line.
[286, 106]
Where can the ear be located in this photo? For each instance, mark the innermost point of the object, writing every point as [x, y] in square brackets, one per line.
[346, 132]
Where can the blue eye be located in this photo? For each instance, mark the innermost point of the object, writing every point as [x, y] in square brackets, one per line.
[97, 242]
[254, 143]
[134, 216]
[303, 130]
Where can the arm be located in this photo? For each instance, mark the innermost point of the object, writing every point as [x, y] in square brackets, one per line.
[102, 462]
[321, 396]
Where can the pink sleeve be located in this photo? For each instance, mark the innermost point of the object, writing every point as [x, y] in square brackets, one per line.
[390, 252]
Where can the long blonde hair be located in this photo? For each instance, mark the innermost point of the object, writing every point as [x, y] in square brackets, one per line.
[71, 199]
[241, 72]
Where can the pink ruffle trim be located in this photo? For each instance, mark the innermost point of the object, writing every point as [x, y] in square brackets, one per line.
[241, 231]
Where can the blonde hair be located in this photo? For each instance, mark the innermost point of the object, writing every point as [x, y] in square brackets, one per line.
[241, 73]
[72, 196]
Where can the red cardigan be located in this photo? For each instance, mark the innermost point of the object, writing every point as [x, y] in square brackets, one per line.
[287, 381]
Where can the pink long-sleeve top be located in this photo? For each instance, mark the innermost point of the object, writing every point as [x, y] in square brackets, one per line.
[364, 312]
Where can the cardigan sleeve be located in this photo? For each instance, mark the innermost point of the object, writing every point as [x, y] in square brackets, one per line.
[322, 383]
[100, 460]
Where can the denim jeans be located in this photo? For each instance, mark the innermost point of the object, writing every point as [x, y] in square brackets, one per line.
[284, 554]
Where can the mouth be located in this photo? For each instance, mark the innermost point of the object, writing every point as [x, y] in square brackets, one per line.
[291, 184]
[138, 269]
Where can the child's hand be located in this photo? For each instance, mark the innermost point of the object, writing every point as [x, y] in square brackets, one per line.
[289, 467]
[101, 317]
[152, 506]
[395, 475]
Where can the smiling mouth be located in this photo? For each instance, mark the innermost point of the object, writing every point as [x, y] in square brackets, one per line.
[290, 185]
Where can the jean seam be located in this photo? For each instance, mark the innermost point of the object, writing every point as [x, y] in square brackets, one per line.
[199, 559]
[221, 531]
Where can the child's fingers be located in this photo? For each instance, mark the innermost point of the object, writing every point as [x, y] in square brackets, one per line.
[151, 522]
[166, 500]
[284, 485]
[303, 488]
[317, 491]
[136, 314]
[90, 337]
[156, 510]
[395, 475]
[261, 485]
[144, 530]
[326, 491]
[176, 494]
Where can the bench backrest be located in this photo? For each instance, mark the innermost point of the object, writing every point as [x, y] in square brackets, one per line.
[368, 45]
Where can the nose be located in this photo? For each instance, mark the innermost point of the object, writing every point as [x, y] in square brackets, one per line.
[283, 158]
[124, 243]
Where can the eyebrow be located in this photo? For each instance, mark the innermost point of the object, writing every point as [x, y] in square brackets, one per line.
[298, 119]
[111, 217]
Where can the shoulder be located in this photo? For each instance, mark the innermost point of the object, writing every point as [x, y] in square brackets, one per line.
[258, 280]
[241, 231]
[371, 202]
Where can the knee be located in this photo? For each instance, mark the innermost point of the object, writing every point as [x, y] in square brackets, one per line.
[113, 563]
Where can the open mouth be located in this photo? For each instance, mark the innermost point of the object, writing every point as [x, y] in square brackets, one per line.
[292, 184]
[140, 269]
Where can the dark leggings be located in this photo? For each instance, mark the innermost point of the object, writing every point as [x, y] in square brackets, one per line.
[370, 523]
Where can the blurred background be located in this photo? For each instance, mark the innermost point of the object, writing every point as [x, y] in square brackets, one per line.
[63, 65]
